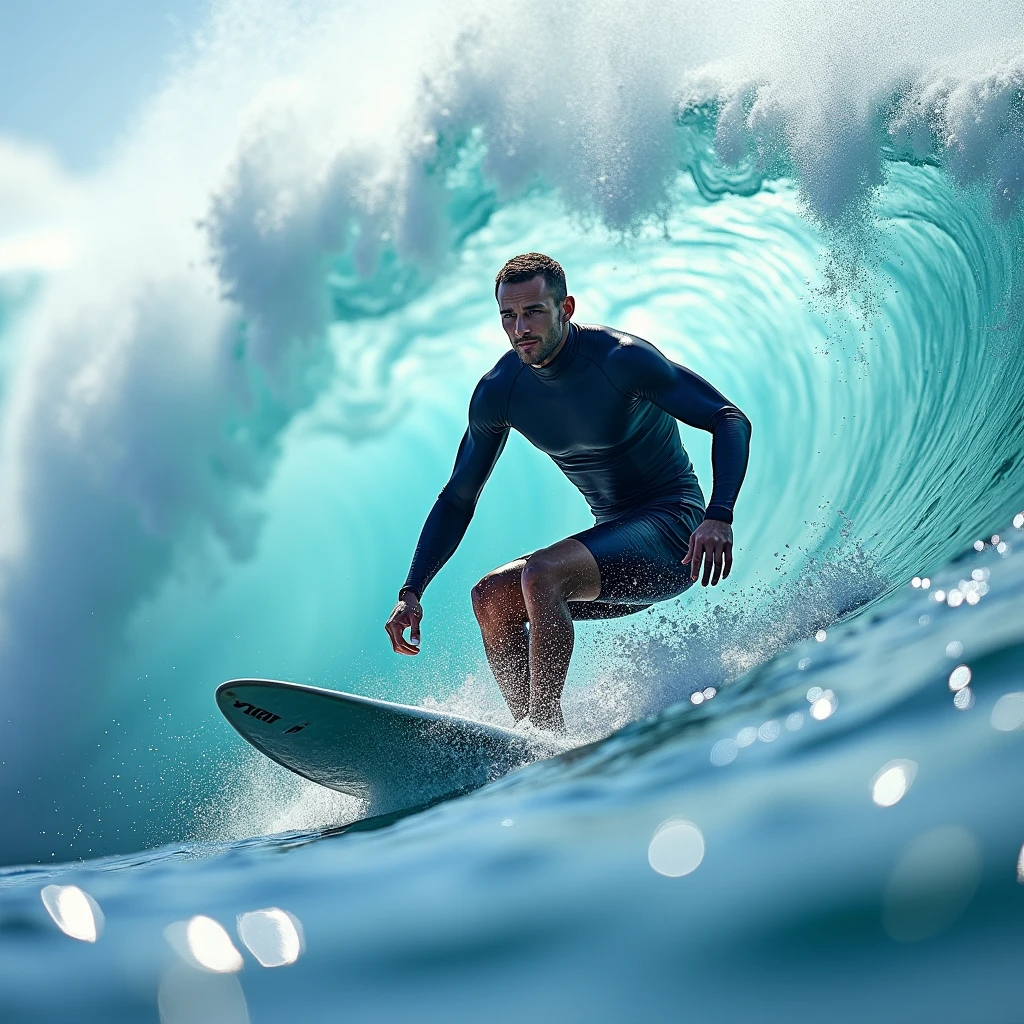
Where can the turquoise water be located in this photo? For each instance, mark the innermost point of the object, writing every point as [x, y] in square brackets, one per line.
[537, 894]
[225, 418]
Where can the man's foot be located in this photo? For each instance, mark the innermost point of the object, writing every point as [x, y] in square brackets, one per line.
[527, 725]
[547, 716]
[544, 742]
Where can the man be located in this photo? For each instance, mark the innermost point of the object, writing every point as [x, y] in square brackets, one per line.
[604, 406]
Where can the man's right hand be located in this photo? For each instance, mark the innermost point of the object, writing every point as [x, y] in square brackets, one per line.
[406, 616]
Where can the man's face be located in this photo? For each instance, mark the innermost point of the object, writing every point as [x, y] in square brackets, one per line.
[532, 319]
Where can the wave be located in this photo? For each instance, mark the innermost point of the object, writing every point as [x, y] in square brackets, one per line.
[281, 291]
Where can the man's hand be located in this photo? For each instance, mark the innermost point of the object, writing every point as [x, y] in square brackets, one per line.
[712, 542]
[406, 616]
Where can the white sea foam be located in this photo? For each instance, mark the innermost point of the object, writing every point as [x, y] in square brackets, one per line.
[261, 798]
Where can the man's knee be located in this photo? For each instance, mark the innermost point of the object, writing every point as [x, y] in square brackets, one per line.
[491, 600]
[542, 579]
[481, 598]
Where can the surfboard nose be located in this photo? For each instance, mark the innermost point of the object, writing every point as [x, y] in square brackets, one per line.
[390, 755]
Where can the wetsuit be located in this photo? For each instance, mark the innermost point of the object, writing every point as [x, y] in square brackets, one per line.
[605, 409]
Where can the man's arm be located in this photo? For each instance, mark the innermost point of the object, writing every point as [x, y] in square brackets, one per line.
[691, 399]
[448, 520]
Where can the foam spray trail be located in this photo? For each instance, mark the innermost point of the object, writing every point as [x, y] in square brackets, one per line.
[160, 375]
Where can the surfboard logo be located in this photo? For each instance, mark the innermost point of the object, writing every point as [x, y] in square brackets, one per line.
[260, 714]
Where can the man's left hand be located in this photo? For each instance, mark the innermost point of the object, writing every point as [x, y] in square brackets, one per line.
[712, 543]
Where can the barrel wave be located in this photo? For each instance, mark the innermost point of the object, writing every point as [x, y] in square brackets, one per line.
[235, 364]
[226, 413]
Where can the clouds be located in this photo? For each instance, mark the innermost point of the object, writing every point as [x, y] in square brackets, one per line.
[38, 206]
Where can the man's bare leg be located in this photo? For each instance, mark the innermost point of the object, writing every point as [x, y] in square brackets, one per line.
[501, 613]
[552, 577]
[530, 668]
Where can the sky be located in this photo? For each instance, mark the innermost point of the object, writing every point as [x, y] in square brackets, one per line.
[74, 72]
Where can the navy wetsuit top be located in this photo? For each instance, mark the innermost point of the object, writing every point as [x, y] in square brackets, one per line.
[605, 410]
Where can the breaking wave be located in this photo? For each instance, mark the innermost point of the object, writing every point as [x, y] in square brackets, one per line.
[232, 395]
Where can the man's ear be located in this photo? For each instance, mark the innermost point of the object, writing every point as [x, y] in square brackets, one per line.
[568, 307]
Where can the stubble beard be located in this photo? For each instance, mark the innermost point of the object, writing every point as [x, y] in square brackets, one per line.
[545, 346]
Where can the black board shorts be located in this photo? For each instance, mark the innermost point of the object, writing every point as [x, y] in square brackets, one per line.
[640, 557]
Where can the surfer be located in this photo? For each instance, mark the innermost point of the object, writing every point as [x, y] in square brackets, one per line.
[603, 404]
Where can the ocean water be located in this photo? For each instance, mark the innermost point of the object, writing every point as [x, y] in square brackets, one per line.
[235, 364]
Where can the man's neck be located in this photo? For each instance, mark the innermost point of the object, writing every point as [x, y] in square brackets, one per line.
[561, 345]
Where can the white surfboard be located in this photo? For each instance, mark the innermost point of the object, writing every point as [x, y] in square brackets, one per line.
[393, 756]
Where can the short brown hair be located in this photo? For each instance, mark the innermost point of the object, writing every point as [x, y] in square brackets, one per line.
[528, 266]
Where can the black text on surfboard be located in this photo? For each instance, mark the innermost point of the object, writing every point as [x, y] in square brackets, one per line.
[254, 712]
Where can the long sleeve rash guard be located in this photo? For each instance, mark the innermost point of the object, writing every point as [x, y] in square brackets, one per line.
[605, 410]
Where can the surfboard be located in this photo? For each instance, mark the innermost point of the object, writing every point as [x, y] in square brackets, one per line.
[390, 755]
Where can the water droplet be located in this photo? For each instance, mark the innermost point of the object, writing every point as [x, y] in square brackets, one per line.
[273, 936]
[676, 849]
[959, 677]
[1008, 712]
[724, 752]
[746, 736]
[963, 700]
[892, 782]
[821, 709]
[73, 911]
[932, 884]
